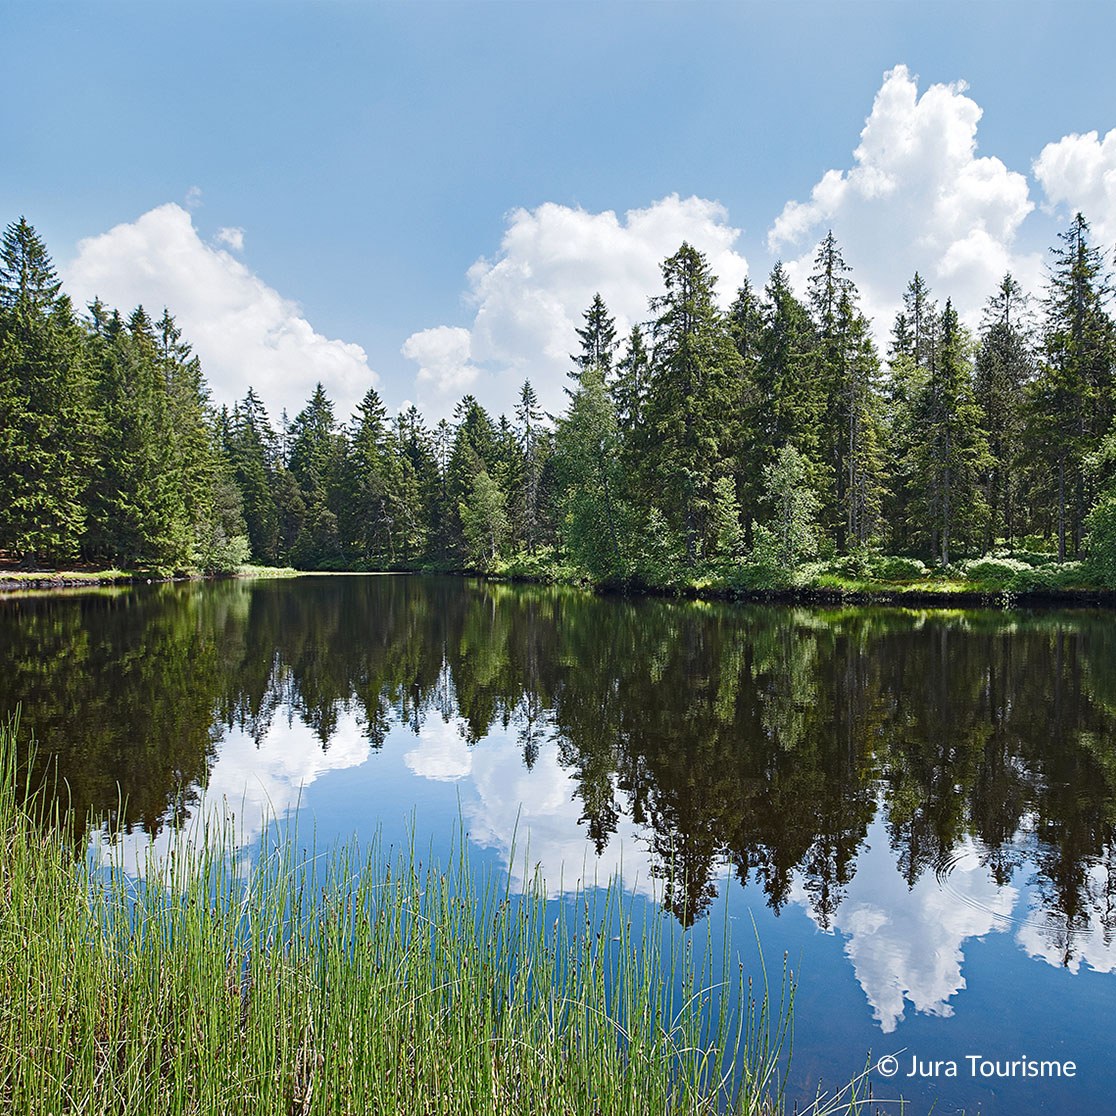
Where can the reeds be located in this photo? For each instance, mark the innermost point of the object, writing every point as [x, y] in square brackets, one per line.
[354, 982]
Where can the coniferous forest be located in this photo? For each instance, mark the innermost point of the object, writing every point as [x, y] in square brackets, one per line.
[729, 447]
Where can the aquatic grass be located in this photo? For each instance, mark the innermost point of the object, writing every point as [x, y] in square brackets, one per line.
[352, 981]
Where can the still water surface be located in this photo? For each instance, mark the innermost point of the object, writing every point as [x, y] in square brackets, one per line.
[918, 808]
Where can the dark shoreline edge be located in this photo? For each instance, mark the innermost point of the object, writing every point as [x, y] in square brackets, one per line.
[883, 597]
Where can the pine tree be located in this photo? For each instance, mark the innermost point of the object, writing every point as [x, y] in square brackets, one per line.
[598, 341]
[1073, 396]
[45, 420]
[949, 459]
[694, 366]
[1005, 367]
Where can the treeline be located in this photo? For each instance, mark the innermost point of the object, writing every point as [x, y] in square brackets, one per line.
[750, 439]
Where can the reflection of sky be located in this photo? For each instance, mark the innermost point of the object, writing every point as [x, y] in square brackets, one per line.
[907, 944]
[529, 817]
[250, 785]
[1043, 933]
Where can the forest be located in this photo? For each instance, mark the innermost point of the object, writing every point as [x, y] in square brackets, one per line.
[709, 446]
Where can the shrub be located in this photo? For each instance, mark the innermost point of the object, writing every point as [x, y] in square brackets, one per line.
[996, 573]
[892, 567]
[1100, 541]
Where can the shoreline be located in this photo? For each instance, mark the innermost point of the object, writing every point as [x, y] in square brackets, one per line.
[887, 596]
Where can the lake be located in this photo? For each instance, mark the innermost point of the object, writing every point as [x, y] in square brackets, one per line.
[916, 807]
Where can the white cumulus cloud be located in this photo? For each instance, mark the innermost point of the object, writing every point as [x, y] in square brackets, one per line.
[244, 331]
[443, 357]
[233, 237]
[917, 197]
[529, 299]
[1080, 173]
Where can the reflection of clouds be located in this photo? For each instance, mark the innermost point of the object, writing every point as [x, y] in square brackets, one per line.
[906, 943]
[1044, 936]
[442, 753]
[530, 816]
[247, 787]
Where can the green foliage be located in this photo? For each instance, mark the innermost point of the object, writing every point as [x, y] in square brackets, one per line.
[484, 520]
[896, 568]
[794, 505]
[1101, 540]
[596, 524]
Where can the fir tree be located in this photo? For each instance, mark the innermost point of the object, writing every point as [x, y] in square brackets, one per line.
[1005, 367]
[45, 420]
[694, 366]
[951, 455]
[1073, 398]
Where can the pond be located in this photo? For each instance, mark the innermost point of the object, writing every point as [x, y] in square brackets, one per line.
[917, 807]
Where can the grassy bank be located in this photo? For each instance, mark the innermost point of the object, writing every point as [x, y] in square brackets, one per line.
[349, 983]
[998, 578]
[13, 578]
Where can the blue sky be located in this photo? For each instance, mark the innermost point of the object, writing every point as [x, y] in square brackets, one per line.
[307, 185]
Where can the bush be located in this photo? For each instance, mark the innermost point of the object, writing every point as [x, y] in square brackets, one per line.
[996, 573]
[892, 567]
[1015, 574]
[1052, 575]
[1100, 542]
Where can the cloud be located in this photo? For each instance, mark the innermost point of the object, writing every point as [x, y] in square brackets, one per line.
[244, 331]
[529, 299]
[193, 197]
[233, 237]
[442, 355]
[1080, 173]
[917, 197]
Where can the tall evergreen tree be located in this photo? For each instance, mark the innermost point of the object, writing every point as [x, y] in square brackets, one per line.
[598, 340]
[913, 355]
[1005, 367]
[694, 365]
[45, 457]
[369, 510]
[528, 431]
[316, 462]
[848, 368]
[951, 454]
[1073, 397]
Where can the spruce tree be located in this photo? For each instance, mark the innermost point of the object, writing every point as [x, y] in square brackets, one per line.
[1005, 368]
[846, 364]
[45, 418]
[598, 341]
[695, 364]
[528, 422]
[1072, 401]
[951, 454]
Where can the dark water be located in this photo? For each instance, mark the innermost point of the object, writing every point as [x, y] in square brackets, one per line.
[918, 807]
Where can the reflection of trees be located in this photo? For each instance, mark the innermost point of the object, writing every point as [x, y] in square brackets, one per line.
[762, 738]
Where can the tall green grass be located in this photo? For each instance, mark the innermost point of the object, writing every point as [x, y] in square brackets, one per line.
[354, 982]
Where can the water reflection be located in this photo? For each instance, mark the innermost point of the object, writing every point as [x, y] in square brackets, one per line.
[914, 780]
